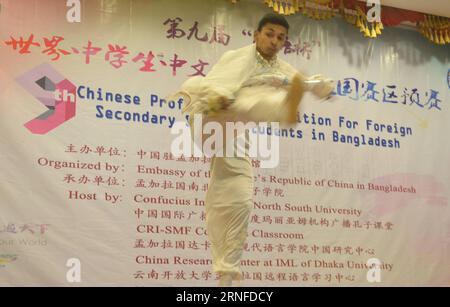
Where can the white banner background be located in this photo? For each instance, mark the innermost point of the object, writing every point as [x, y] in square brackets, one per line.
[326, 240]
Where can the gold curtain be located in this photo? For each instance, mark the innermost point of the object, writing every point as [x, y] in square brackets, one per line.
[436, 29]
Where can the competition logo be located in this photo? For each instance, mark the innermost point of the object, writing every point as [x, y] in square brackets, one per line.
[52, 90]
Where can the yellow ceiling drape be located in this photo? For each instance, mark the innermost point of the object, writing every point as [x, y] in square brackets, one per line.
[436, 29]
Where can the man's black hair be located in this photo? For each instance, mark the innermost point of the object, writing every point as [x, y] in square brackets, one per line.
[274, 19]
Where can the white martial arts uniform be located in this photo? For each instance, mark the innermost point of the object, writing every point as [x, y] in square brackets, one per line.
[257, 88]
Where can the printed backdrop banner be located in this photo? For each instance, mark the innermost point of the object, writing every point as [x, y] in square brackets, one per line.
[91, 193]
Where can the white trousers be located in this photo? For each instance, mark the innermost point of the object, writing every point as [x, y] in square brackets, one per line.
[230, 191]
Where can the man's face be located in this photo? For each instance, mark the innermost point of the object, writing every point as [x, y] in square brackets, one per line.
[270, 39]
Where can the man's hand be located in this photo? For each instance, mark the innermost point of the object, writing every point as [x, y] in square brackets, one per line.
[320, 86]
[224, 102]
[217, 103]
